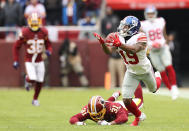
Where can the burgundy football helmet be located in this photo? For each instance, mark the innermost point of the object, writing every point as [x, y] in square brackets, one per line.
[96, 108]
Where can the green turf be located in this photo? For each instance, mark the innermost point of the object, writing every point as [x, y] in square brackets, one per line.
[58, 105]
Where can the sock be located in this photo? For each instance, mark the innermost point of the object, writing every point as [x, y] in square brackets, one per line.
[158, 82]
[37, 90]
[165, 79]
[138, 92]
[133, 109]
[171, 74]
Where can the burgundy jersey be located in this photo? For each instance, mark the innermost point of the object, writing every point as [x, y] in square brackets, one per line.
[114, 112]
[34, 43]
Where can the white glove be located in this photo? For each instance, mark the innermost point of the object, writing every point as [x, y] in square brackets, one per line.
[80, 123]
[116, 94]
[103, 123]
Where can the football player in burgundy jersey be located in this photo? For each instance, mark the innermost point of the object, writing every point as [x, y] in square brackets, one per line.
[35, 40]
[108, 112]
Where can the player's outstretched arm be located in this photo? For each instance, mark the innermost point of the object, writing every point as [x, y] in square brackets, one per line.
[75, 120]
[133, 48]
[106, 49]
[114, 96]
[79, 118]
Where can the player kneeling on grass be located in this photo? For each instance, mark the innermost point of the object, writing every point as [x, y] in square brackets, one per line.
[35, 39]
[108, 112]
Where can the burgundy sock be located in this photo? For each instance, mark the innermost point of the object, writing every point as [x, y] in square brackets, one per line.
[37, 90]
[165, 79]
[171, 74]
[133, 109]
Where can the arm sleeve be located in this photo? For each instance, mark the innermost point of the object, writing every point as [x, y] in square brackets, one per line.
[48, 44]
[82, 116]
[16, 47]
[111, 99]
[121, 116]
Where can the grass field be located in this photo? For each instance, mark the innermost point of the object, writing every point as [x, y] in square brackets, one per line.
[58, 105]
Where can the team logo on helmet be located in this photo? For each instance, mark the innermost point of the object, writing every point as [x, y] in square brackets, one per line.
[96, 108]
[129, 26]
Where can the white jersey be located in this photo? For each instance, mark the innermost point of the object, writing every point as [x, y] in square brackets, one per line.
[137, 63]
[154, 31]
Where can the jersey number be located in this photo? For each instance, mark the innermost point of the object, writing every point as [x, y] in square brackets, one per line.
[115, 109]
[134, 58]
[155, 34]
[36, 46]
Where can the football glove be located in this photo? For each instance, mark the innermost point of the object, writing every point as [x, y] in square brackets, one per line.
[103, 123]
[116, 94]
[99, 38]
[80, 123]
[113, 38]
[16, 65]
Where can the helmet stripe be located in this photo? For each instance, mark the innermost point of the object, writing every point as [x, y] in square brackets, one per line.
[95, 104]
[92, 103]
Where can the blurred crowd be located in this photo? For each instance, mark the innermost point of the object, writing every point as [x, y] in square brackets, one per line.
[53, 12]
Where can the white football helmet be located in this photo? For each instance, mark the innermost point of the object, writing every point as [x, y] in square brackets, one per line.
[150, 13]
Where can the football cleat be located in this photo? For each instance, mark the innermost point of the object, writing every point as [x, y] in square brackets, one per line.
[137, 120]
[35, 103]
[27, 85]
[174, 92]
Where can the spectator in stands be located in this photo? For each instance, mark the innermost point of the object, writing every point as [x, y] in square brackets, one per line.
[69, 12]
[70, 59]
[174, 46]
[80, 9]
[2, 5]
[87, 21]
[37, 7]
[12, 13]
[92, 7]
[23, 3]
[53, 8]
[12, 16]
[109, 23]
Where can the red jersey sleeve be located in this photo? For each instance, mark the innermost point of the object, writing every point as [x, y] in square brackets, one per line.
[48, 44]
[82, 116]
[17, 45]
[112, 99]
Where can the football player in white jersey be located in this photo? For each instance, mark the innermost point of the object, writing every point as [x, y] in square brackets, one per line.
[155, 29]
[131, 44]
